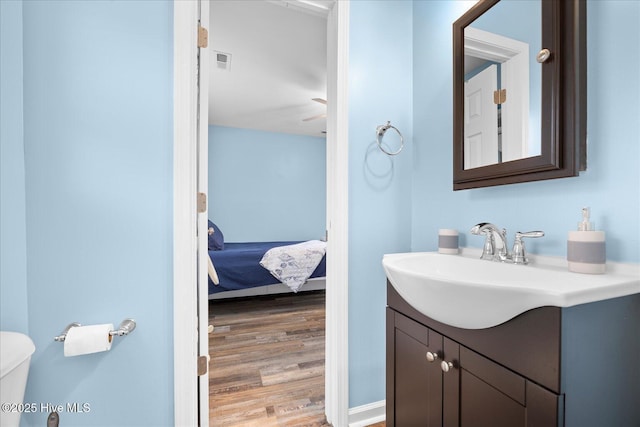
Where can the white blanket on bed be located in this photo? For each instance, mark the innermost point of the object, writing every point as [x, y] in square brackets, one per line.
[293, 264]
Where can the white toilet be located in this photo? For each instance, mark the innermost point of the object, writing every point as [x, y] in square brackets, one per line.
[15, 354]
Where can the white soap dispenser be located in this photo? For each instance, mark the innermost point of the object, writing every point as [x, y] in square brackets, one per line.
[586, 251]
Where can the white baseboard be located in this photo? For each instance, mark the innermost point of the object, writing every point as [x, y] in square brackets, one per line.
[365, 415]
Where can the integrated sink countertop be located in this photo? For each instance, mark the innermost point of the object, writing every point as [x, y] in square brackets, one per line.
[467, 292]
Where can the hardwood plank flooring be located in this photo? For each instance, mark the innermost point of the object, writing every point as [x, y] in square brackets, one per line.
[267, 361]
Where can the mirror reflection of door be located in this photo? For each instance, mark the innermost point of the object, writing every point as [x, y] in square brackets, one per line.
[481, 119]
[504, 117]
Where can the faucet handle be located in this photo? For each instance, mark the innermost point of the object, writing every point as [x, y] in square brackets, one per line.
[519, 255]
[520, 235]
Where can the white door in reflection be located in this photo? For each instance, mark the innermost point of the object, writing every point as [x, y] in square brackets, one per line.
[481, 119]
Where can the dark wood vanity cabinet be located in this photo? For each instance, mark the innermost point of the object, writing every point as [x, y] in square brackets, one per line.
[538, 369]
[473, 392]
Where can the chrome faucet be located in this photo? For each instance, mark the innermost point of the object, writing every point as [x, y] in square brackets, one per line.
[489, 250]
[518, 255]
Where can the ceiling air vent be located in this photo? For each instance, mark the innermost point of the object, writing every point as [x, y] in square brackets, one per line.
[222, 60]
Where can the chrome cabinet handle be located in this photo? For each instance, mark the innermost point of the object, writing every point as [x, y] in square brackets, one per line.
[431, 357]
[446, 366]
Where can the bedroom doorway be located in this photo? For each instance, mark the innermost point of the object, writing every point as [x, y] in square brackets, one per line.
[229, 60]
[189, 402]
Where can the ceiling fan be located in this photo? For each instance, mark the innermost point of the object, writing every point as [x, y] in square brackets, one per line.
[318, 116]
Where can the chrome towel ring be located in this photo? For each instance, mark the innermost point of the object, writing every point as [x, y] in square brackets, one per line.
[380, 131]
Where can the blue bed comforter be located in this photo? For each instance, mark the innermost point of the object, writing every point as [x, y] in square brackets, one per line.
[238, 266]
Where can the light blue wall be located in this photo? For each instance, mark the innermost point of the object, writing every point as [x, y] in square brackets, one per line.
[13, 252]
[610, 186]
[98, 166]
[380, 89]
[98, 138]
[267, 186]
[381, 75]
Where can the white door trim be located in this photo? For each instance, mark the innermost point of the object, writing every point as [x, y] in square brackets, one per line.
[337, 296]
[185, 93]
[184, 221]
[202, 177]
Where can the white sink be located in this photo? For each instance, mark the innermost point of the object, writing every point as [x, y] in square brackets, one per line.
[467, 292]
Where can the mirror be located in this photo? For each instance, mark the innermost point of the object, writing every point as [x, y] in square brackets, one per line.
[519, 110]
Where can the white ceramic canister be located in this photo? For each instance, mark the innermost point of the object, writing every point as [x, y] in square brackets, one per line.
[448, 239]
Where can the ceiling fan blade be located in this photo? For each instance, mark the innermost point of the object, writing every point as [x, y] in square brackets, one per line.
[320, 100]
[319, 116]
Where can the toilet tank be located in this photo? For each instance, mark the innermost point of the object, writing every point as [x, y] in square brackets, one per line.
[15, 354]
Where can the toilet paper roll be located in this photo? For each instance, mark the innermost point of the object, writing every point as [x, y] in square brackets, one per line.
[88, 339]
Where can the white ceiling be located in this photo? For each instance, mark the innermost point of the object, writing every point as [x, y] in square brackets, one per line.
[277, 64]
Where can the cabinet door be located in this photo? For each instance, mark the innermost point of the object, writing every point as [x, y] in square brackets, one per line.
[491, 395]
[482, 404]
[415, 395]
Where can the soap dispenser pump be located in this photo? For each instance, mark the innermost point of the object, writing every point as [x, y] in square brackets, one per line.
[585, 224]
[586, 251]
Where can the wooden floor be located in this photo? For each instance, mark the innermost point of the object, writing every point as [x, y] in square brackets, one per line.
[267, 361]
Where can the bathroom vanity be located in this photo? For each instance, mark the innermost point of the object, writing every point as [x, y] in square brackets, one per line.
[549, 366]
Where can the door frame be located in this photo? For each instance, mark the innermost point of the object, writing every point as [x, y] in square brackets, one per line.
[337, 294]
[185, 319]
[185, 241]
[202, 186]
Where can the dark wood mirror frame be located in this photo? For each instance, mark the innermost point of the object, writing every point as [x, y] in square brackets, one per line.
[563, 104]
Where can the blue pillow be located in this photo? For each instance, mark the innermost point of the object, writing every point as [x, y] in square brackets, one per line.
[216, 238]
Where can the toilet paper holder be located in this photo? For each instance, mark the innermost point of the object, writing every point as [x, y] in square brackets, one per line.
[126, 327]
